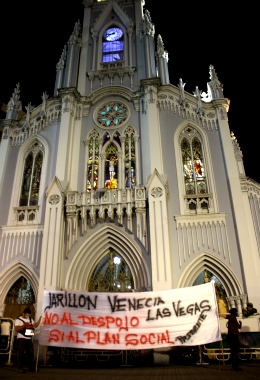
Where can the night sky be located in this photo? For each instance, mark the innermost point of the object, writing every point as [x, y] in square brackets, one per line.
[195, 35]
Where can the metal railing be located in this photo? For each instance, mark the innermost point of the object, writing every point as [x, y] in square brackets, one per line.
[7, 338]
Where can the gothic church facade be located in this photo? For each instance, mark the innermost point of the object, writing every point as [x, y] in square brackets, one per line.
[121, 181]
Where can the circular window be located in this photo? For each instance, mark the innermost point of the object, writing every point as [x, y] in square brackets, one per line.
[113, 34]
[111, 115]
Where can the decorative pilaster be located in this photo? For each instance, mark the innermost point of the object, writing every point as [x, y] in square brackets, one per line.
[159, 233]
[53, 244]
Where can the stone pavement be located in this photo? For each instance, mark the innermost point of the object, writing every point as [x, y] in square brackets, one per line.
[220, 371]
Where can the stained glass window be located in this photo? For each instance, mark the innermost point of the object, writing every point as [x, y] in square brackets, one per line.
[112, 114]
[93, 162]
[113, 45]
[193, 166]
[111, 160]
[111, 167]
[32, 176]
[130, 169]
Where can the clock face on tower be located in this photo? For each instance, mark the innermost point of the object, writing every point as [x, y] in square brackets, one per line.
[113, 34]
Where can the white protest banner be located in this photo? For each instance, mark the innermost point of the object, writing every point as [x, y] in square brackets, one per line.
[130, 321]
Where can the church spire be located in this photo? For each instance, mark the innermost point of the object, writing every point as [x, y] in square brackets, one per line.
[14, 105]
[162, 61]
[215, 87]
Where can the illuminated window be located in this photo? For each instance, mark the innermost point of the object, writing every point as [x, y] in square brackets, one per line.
[111, 115]
[111, 160]
[193, 167]
[111, 167]
[93, 162]
[195, 181]
[130, 169]
[113, 45]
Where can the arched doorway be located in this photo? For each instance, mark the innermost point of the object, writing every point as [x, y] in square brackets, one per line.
[111, 273]
[19, 296]
[221, 295]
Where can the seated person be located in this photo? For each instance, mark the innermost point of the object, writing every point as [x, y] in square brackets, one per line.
[249, 310]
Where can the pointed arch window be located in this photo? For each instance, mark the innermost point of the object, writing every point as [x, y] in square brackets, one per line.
[111, 167]
[193, 167]
[112, 274]
[32, 176]
[113, 45]
[194, 173]
[93, 162]
[130, 158]
[111, 160]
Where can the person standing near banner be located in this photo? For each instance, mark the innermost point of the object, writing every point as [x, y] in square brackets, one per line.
[233, 326]
[24, 326]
